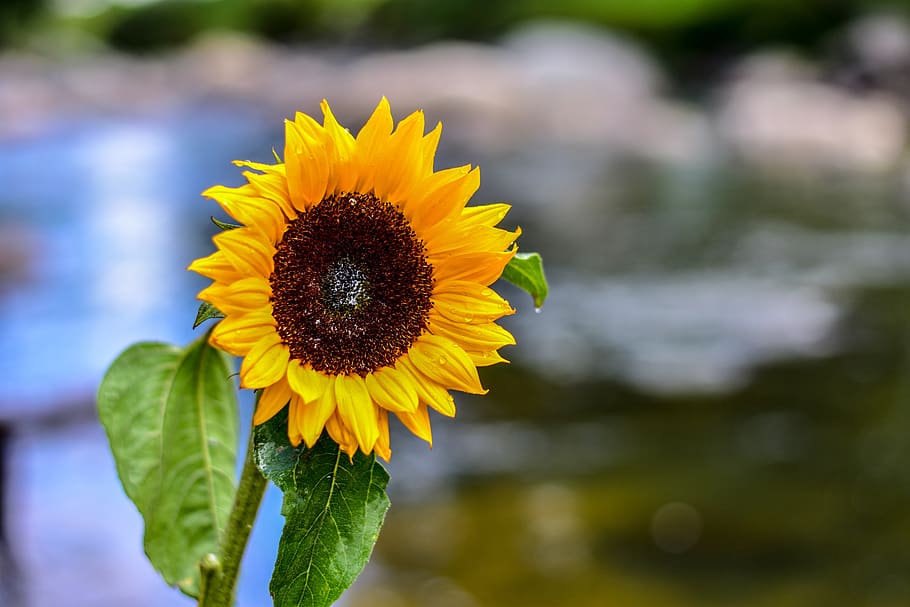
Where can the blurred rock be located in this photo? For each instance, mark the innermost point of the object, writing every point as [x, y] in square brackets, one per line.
[27, 95]
[881, 41]
[472, 87]
[565, 55]
[587, 86]
[558, 82]
[877, 55]
[701, 332]
[226, 65]
[774, 114]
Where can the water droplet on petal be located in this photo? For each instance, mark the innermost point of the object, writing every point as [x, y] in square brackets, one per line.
[442, 360]
[486, 292]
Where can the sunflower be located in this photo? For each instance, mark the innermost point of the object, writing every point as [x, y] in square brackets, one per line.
[358, 282]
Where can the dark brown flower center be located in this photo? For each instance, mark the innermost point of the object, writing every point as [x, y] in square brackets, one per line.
[351, 287]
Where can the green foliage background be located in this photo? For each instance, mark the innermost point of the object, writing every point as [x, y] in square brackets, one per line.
[680, 30]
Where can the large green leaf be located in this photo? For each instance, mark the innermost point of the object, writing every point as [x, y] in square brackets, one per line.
[525, 271]
[333, 508]
[171, 417]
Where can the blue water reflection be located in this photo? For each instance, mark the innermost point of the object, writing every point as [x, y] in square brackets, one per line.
[111, 215]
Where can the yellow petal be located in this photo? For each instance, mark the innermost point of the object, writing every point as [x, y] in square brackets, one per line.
[445, 363]
[446, 198]
[306, 165]
[392, 390]
[371, 140]
[341, 434]
[356, 409]
[265, 363]
[217, 267]
[312, 416]
[342, 177]
[399, 163]
[383, 447]
[246, 206]
[485, 359]
[246, 251]
[428, 146]
[428, 391]
[273, 184]
[423, 199]
[418, 423]
[469, 302]
[446, 238]
[246, 295]
[273, 400]
[485, 215]
[306, 382]
[308, 126]
[238, 333]
[483, 268]
[293, 433]
[257, 166]
[480, 337]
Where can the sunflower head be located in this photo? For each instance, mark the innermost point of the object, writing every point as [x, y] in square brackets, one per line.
[358, 283]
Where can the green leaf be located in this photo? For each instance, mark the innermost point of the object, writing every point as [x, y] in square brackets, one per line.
[525, 271]
[224, 225]
[205, 312]
[333, 508]
[170, 414]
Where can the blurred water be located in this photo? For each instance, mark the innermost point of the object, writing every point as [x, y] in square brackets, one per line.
[707, 411]
[108, 215]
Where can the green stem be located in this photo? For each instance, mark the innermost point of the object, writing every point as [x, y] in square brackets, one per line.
[221, 577]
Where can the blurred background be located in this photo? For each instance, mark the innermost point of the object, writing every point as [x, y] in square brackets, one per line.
[712, 407]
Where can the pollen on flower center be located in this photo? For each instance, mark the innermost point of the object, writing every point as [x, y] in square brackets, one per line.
[345, 287]
[351, 289]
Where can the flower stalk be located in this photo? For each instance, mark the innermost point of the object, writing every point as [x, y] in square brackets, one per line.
[220, 576]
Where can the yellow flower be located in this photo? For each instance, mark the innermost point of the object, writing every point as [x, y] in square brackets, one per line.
[357, 285]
